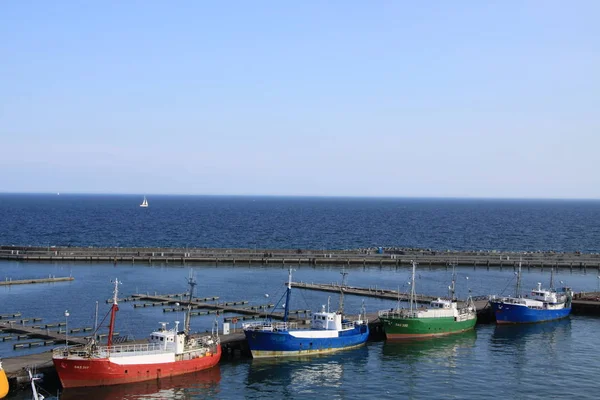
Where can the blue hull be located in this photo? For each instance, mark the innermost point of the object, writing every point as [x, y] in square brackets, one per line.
[280, 344]
[507, 313]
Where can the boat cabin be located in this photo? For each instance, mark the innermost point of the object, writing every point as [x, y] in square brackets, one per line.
[547, 296]
[167, 339]
[439, 303]
[326, 320]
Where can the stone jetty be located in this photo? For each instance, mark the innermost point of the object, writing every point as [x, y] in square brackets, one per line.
[368, 256]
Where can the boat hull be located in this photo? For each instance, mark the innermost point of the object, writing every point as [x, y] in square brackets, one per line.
[265, 344]
[79, 372]
[507, 313]
[407, 328]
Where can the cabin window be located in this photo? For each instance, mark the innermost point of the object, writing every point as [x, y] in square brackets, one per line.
[161, 339]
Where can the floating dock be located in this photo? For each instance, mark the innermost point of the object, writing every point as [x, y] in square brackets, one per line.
[366, 292]
[42, 332]
[236, 307]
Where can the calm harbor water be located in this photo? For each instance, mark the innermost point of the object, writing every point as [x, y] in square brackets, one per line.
[552, 360]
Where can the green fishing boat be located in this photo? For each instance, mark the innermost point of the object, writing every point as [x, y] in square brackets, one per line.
[442, 317]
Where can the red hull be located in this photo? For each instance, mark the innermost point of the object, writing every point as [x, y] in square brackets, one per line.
[101, 372]
[166, 388]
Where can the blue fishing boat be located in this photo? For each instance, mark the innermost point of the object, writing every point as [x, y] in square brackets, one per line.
[328, 332]
[539, 306]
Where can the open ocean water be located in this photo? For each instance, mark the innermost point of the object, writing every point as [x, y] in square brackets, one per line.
[552, 360]
[299, 222]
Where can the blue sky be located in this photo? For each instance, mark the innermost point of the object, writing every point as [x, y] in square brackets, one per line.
[336, 98]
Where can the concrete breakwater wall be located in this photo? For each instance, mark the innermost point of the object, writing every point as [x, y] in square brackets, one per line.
[9, 282]
[395, 256]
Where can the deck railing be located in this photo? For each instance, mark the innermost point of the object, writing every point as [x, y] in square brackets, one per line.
[112, 351]
[270, 326]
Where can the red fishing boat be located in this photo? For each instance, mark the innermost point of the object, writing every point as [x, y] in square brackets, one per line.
[167, 353]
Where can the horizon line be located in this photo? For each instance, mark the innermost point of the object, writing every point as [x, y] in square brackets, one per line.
[304, 196]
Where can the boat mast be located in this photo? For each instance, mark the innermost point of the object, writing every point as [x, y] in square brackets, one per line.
[343, 273]
[286, 310]
[452, 287]
[96, 318]
[412, 286]
[552, 277]
[518, 288]
[363, 312]
[113, 311]
[192, 283]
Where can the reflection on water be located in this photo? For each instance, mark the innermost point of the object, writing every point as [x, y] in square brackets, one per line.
[523, 341]
[188, 386]
[443, 346]
[536, 352]
[513, 332]
[302, 375]
[438, 359]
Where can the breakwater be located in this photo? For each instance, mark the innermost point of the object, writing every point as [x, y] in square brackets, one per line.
[9, 282]
[374, 256]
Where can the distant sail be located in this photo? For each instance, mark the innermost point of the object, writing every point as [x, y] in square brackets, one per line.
[144, 203]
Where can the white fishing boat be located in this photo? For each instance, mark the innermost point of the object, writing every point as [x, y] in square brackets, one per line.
[144, 203]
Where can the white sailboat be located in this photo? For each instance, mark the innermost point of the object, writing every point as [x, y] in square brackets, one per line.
[144, 203]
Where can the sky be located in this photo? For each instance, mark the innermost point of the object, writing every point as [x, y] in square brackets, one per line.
[320, 98]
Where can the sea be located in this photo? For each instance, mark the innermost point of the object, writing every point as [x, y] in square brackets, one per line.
[554, 360]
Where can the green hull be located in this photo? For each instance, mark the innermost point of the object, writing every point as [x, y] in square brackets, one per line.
[404, 328]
